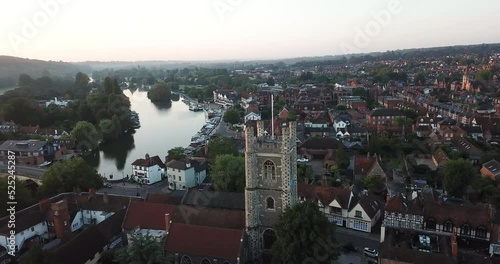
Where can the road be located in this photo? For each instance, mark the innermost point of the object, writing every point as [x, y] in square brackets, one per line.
[224, 131]
[26, 171]
[360, 240]
[131, 189]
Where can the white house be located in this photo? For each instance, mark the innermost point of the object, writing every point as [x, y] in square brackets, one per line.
[37, 227]
[148, 170]
[340, 124]
[185, 174]
[252, 116]
[343, 207]
[89, 216]
[58, 103]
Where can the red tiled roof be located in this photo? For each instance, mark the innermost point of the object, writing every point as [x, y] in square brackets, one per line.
[362, 165]
[148, 215]
[395, 204]
[474, 215]
[204, 241]
[325, 194]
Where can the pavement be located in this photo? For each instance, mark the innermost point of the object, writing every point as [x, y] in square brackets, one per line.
[360, 240]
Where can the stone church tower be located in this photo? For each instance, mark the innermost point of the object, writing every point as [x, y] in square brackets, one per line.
[271, 183]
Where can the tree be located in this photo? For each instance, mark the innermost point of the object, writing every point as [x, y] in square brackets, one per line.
[304, 172]
[23, 196]
[143, 250]
[25, 80]
[86, 135]
[228, 173]
[374, 183]
[420, 79]
[66, 175]
[341, 107]
[110, 128]
[176, 153]
[342, 159]
[220, 146]
[458, 175]
[232, 117]
[304, 234]
[22, 111]
[36, 255]
[292, 115]
[161, 92]
[271, 81]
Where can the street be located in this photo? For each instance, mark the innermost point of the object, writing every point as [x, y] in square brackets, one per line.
[224, 131]
[131, 189]
[26, 171]
[360, 240]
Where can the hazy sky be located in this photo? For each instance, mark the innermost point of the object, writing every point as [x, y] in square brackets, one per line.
[78, 30]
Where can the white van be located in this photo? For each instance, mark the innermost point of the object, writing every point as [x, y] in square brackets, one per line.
[371, 252]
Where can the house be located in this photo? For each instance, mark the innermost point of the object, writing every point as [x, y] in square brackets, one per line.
[252, 116]
[383, 116]
[203, 244]
[89, 245]
[29, 152]
[474, 132]
[58, 103]
[366, 166]
[185, 174]
[491, 169]
[8, 128]
[439, 158]
[340, 123]
[28, 130]
[358, 211]
[148, 170]
[148, 219]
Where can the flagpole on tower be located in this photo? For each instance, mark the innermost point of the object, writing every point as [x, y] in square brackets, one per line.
[272, 116]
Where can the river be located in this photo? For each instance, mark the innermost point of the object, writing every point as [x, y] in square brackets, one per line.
[161, 129]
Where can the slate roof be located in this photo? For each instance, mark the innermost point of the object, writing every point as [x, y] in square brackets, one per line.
[493, 166]
[371, 204]
[213, 199]
[204, 241]
[22, 145]
[182, 165]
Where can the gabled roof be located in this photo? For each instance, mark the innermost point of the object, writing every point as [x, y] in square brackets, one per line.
[149, 162]
[148, 215]
[204, 241]
[363, 165]
[371, 204]
[183, 165]
[320, 143]
[325, 194]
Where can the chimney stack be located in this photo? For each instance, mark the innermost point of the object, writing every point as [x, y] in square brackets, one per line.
[60, 215]
[147, 156]
[167, 222]
[91, 192]
[105, 198]
[188, 163]
[205, 148]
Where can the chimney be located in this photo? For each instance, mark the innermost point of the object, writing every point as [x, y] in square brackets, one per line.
[147, 156]
[105, 198]
[61, 218]
[454, 244]
[205, 148]
[168, 222]
[188, 163]
[91, 192]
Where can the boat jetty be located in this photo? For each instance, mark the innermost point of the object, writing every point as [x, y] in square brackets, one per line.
[199, 140]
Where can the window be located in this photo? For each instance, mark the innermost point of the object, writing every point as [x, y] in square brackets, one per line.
[269, 203]
[335, 210]
[430, 224]
[269, 238]
[336, 219]
[180, 178]
[206, 261]
[186, 260]
[481, 232]
[359, 225]
[358, 214]
[448, 227]
[465, 230]
[269, 170]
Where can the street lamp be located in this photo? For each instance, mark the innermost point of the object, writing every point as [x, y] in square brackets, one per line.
[137, 191]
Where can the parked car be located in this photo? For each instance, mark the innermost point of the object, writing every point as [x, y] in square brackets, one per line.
[304, 160]
[349, 247]
[371, 252]
[107, 185]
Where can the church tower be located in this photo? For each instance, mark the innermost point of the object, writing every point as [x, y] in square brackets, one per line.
[271, 183]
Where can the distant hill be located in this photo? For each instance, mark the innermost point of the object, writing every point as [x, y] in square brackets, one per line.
[11, 67]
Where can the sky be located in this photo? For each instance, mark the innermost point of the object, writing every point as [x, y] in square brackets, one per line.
[200, 30]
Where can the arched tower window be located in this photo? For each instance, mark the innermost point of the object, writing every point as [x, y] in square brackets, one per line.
[206, 261]
[448, 227]
[269, 203]
[186, 260]
[481, 232]
[430, 224]
[269, 238]
[269, 170]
